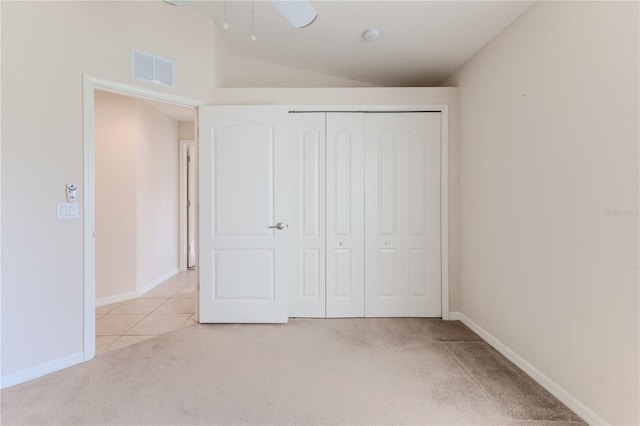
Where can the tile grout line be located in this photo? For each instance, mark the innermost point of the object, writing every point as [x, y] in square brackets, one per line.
[146, 315]
[124, 332]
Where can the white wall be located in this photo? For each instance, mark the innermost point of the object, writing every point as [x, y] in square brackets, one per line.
[46, 48]
[549, 145]
[116, 136]
[157, 195]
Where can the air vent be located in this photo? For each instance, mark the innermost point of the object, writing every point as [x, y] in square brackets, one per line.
[147, 67]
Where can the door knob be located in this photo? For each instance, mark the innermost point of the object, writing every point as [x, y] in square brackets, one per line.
[278, 226]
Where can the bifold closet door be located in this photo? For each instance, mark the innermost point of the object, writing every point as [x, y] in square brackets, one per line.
[402, 219]
[307, 140]
[345, 214]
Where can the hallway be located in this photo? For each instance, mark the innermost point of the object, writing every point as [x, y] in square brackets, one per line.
[168, 306]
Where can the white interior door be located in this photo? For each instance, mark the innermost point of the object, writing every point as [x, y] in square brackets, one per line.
[402, 168]
[345, 213]
[307, 141]
[245, 173]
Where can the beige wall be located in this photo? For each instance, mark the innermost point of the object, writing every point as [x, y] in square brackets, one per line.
[46, 48]
[116, 136]
[157, 195]
[186, 130]
[549, 145]
[136, 196]
[241, 71]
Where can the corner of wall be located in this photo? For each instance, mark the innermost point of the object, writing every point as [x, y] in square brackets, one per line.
[543, 380]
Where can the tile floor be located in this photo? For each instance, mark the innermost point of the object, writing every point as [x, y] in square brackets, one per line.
[168, 306]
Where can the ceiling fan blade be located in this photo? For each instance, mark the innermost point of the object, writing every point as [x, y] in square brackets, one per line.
[176, 2]
[299, 12]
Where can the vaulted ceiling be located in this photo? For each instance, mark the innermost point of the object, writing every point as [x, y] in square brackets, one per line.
[422, 41]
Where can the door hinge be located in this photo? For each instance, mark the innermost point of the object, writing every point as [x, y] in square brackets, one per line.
[188, 158]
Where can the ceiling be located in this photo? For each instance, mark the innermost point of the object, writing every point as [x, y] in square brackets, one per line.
[422, 42]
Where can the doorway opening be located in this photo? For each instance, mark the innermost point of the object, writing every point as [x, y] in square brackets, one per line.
[188, 181]
[137, 283]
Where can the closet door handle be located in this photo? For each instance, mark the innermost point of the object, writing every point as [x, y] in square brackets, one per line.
[279, 226]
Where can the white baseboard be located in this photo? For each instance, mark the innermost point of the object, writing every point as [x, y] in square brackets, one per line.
[159, 280]
[555, 389]
[455, 316]
[116, 298]
[133, 294]
[40, 370]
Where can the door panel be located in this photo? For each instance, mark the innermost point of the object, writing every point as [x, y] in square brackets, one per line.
[342, 187]
[243, 194]
[345, 212]
[244, 166]
[402, 169]
[417, 274]
[388, 178]
[252, 268]
[416, 183]
[384, 152]
[422, 215]
[307, 141]
[342, 275]
[389, 268]
[311, 276]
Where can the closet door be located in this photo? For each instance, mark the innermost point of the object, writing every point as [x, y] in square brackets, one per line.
[422, 198]
[307, 140]
[384, 157]
[402, 219]
[345, 213]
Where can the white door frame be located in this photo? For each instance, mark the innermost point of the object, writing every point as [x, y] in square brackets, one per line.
[90, 84]
[184, 256]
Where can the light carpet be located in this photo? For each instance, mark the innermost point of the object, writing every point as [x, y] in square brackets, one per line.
[327, 371]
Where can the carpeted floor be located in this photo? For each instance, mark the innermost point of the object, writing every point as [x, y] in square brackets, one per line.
[342, 371]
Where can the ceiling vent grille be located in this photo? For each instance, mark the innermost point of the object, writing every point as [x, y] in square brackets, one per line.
[147, 67]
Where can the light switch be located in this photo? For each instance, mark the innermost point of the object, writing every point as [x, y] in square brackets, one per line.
[68, 211]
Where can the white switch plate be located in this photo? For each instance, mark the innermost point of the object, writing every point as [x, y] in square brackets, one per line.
[67, 210]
